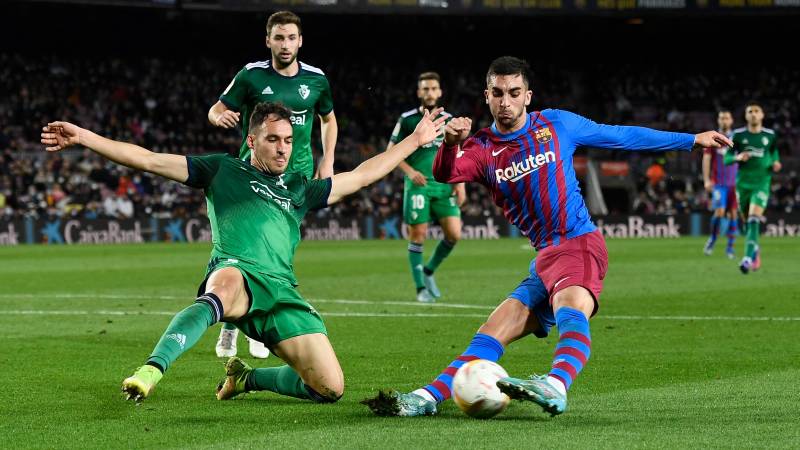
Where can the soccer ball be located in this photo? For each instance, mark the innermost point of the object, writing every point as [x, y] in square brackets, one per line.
[475, 389]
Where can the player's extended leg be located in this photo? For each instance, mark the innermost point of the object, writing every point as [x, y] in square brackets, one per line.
[733, 229]
[718, 201]
[573, 306]
[716, 224]
[452, 233]
[525, 311]
[752, 258]
[225, 297]
[510, 321]
[416, 237]
[313, 372]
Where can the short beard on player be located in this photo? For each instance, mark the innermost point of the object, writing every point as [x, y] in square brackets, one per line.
[508, 122]
[430, 107]
[280, 64]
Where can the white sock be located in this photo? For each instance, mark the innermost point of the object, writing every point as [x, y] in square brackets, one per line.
[556, 383]
[425, 394]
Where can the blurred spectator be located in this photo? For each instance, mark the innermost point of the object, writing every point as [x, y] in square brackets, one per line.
[161, 104]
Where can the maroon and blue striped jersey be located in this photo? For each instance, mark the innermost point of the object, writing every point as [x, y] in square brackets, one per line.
[530, 172]
[721, 174]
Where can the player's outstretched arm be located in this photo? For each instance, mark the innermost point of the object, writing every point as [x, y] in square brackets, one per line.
[589, 133]
[377, 167]
[57, 136]
[711, 139]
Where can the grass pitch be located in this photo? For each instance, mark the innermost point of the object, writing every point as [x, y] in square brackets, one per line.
[687, 352]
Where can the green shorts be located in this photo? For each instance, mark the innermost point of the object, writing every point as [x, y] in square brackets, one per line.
[277, 311]
[421, 204]
[752, 195]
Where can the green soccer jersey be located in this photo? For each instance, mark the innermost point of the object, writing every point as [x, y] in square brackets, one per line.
[255, 218]
[763, 150]
[306, 93]
[422, 159]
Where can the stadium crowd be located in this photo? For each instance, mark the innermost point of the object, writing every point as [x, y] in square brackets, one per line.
[161, 104]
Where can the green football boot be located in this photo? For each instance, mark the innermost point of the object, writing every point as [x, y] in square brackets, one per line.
[236, 372]
[393, 403]
[140, 385]
[535, 389]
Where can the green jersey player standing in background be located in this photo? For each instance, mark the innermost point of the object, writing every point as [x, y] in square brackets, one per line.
[755, 149]
[305, 91]
[255, 209]
[425, 199]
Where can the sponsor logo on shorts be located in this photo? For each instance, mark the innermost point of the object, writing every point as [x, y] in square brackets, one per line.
[559, 282]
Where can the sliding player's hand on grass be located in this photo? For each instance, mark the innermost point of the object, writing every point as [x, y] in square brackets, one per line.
[57, 136]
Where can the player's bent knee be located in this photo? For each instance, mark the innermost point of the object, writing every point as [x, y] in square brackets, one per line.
[576, 297]
[326, 393]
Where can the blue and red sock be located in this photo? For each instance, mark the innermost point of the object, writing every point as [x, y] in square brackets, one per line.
[733, 225]
[574, 345]
[714, 229]
[482, 346]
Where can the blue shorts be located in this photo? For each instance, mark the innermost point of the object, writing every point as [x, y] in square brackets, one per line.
[723, 197]
[532, 293]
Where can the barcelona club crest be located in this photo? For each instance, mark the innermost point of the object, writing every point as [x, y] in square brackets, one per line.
[304, 91]
[543, 135]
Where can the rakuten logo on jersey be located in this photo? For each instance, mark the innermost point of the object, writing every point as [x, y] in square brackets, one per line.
[518, 170]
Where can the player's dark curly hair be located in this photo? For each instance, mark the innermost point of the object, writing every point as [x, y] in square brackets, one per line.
[263, 110]
[509, 65]
[283, 18]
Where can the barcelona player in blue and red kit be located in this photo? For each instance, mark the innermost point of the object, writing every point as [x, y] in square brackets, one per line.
[720, 181]
[525, 160]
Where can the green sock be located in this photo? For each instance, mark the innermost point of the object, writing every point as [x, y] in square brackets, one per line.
[753, 230]
[415, 260]
[182, 333]
[228, 326]
[442, 251]
[281, 380]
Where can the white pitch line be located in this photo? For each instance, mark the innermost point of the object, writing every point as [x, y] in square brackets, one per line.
[36, 312]
[57, 312]
[742, 318]
[311, 300]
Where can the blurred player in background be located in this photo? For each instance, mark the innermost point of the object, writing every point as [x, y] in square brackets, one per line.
[255, 208]
[755, 149]
[425, 199]
[525, 160]
[719, 180]
[305, 90]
